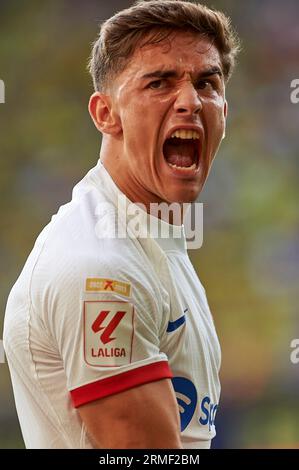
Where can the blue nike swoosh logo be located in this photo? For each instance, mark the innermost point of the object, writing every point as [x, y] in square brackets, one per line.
[174, 325]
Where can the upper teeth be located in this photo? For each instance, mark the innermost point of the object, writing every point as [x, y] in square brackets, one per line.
[185, 134]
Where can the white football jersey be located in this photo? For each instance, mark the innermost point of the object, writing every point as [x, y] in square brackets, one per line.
[98, 310]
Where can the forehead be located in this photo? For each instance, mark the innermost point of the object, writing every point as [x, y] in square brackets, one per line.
[184, 51]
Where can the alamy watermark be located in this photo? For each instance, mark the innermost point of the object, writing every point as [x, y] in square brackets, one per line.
[295, 351]
[2, 92]
[295, 93]
[159, 220]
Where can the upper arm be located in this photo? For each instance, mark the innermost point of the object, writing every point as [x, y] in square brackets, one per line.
[145, 416]
[109, 344]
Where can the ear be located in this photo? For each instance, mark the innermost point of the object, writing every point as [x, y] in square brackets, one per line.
[103, 114]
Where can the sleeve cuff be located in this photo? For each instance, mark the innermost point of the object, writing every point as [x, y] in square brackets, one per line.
[120, 382]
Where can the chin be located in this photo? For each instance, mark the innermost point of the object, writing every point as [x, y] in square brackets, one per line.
[184, 195]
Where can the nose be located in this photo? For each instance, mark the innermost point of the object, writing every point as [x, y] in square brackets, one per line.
[188, 102]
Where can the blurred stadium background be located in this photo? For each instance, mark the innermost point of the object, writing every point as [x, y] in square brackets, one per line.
[249, 263]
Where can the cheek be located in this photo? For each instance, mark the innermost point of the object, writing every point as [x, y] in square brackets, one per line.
[132, 123]
[215, 117]
[141, 122]
[215, 125]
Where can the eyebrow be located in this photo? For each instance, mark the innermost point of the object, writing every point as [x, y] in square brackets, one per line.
[173, 73]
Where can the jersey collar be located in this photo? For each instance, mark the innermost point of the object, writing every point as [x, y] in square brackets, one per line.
[169, 237]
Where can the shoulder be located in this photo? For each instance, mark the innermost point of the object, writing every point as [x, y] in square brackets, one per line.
[78, 247]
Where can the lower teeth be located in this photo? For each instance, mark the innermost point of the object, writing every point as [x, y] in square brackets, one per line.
[192, 167]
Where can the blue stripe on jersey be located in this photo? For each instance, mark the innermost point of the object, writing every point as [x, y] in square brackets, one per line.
[174, 325]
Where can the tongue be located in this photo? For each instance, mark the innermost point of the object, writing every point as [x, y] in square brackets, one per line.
[179, 152]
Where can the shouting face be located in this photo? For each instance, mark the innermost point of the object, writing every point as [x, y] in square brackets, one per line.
[168, 112]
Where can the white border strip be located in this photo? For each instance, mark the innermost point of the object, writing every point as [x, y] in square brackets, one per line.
[2, 355]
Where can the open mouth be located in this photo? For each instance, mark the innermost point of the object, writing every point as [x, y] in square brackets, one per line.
[181, 150]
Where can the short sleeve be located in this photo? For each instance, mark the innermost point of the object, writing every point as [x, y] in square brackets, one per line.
[104, 318]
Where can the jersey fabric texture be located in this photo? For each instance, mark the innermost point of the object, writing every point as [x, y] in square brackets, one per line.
[98, 310]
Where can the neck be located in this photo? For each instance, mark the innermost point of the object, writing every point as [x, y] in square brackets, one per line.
[111, 158]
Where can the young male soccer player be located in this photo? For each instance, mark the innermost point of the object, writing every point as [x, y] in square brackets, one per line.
[109, 339]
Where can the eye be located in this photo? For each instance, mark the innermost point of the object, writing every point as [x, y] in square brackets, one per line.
[204, 84]
[156, 84]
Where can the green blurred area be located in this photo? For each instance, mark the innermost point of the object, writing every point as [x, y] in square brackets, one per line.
[249, 262]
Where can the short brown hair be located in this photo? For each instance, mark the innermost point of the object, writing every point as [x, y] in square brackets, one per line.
[154, 21]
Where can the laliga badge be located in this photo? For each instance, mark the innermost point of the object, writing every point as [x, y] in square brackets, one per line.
[108, 333]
